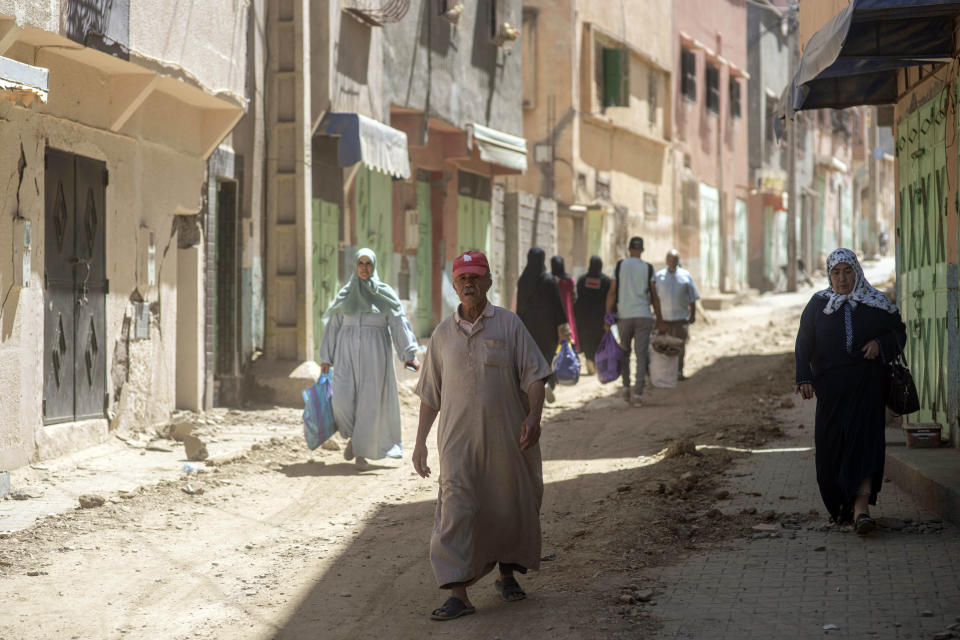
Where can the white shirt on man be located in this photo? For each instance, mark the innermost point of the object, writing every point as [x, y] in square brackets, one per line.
[677, 292]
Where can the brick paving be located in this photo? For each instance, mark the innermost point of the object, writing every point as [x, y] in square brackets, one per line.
[892, 584]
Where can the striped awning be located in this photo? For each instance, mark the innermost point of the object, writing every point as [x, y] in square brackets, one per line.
[499, 148]
[366, 140]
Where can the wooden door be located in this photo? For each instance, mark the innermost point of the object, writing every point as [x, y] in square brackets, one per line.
[75, 286]
[227, 281]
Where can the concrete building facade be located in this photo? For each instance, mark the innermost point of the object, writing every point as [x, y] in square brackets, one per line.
[710, 140]
[454, 80]
[598, 113]
[100, 181]
[768, 50]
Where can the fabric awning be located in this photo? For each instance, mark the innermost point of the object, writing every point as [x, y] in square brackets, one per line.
[853, 59]
[22, 83]
[366, 140]
[499, 148]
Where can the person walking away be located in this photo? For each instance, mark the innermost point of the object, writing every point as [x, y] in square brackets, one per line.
[540, 308]
[568, 296]
[361, 321]
[485, 376]
[631, 294]
[675, 303]
[588, 310]
[848, 333]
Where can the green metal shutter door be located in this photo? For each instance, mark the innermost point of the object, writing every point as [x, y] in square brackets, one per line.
[921, 254]
[424, 317]
[594, 232]
[710, 236]
[381, 224]
[740, 241]
[818, 227]
[326, 232]
[481, 222]
[464, 223]
[374, 194]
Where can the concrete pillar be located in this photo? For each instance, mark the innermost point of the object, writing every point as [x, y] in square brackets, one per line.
[189, 328]
[289, 330]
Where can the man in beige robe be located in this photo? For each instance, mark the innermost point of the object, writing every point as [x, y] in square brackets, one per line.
[485, 377]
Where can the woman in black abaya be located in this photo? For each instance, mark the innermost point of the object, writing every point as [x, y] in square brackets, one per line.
[847, 334]
[589, 308]
[540, 308]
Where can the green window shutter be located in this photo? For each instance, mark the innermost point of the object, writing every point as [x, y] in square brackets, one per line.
[616, 78]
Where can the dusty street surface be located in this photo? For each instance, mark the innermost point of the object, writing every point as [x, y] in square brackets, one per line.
[285, 543]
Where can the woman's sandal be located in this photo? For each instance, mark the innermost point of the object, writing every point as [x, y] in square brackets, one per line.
[509, 589]
[453, 608]
[864, 524]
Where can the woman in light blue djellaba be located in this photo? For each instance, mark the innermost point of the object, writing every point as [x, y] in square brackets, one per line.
[356, 342]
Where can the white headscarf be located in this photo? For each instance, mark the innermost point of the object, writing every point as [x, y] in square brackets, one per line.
[862, 292]
[365, 296]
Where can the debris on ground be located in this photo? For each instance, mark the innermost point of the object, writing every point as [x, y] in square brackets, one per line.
[91, 501]
[181, 430]
[685, 447]
[195, 448]
[190, 490]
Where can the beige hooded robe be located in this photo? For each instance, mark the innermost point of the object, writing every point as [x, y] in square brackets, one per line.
[488, 508]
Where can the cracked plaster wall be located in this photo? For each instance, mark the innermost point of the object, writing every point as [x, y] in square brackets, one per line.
[149, 183]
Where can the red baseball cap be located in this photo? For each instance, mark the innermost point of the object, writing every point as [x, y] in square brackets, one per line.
[471, 262]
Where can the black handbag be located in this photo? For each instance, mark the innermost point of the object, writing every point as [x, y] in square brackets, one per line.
[902, 395]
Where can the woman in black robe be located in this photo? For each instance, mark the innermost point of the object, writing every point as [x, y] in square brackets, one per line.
[847, 334]
[592, 288]
[539, 306]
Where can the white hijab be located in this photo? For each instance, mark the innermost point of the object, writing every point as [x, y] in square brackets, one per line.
[862, 292]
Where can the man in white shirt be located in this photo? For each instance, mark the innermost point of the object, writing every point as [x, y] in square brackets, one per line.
[675, 302]
[631, 293]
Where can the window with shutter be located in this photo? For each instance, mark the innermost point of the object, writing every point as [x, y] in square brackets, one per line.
[688, 74]
[735, 98]
[652, 90]
[616, 77]
[713, 88]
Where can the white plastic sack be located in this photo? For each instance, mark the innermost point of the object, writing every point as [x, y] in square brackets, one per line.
[663, 370]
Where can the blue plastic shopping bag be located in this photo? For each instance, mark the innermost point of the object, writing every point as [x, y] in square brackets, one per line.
[566, 364]
[318, 423]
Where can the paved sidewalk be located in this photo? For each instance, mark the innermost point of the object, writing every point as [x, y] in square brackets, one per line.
[896, 583]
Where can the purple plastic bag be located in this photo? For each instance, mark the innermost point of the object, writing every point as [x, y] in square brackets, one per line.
[609, 356]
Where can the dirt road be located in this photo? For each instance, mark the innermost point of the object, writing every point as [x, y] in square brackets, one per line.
[289, 544]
